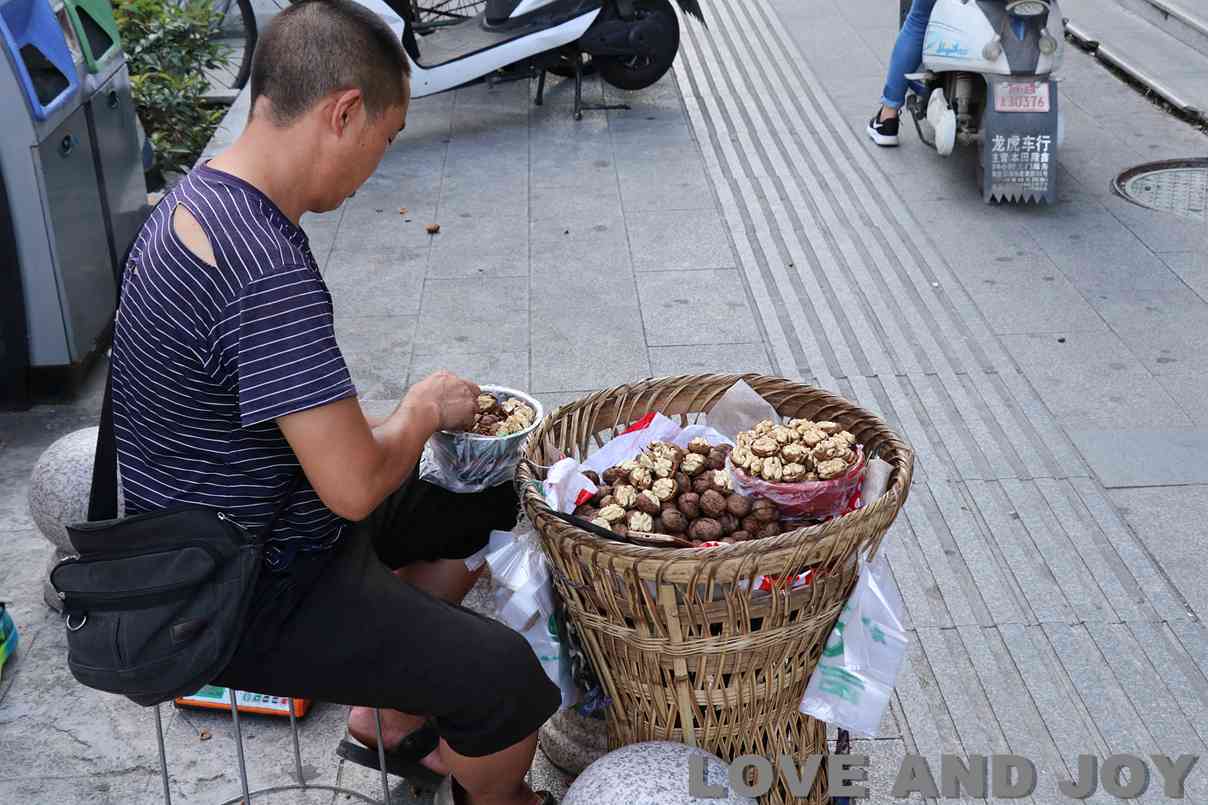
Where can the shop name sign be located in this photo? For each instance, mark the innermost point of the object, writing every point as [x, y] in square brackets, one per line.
[1001, 776]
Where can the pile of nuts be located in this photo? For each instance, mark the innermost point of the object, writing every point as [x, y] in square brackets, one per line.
[798, 451]
[495, 418]
[688, 493]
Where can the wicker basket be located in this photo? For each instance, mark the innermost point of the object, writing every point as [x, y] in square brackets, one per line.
[682, 649]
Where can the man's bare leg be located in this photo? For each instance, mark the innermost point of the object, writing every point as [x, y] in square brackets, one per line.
[496, 779]
[447, 579]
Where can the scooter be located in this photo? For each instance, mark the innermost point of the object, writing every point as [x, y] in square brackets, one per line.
[987, 79]
[630, 43]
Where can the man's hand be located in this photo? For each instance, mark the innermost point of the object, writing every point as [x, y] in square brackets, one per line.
[445, 400]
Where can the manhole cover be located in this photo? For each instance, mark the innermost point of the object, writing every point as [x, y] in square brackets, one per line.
[1177, 186]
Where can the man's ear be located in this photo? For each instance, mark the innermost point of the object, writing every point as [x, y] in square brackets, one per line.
[345, 108]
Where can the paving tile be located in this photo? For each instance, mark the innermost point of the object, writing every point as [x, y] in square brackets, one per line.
[473, 315]
[1187, 685]
[1192, 268]
[1190, 388]
[378, 353]
[577, 209]
[678, 240]
[695, 307]
[1168, 523]
[1093, 380]
[459, 249]
[676, 183]
[372, 286]
[496, 368]
[710, 358]
[1154, 457]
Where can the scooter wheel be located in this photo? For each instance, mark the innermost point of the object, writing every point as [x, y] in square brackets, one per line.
[639, 72]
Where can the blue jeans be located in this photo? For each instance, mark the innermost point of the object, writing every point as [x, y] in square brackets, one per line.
[907, 53]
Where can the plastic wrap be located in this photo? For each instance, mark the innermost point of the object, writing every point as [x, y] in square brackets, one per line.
[466, 462]
[807, 500]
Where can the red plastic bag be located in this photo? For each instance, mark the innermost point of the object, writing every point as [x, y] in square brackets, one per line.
[807, 500]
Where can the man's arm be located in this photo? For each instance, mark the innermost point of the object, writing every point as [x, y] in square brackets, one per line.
[352, 466]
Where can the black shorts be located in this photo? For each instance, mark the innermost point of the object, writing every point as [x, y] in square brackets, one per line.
[338, 626]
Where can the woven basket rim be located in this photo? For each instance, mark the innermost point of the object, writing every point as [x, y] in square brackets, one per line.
[893, 498]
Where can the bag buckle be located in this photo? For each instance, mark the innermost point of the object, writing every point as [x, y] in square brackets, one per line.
[77, 628]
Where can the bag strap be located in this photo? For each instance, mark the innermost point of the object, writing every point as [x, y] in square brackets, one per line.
[102, 497]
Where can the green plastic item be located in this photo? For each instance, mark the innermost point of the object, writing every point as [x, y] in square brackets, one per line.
[96, 30]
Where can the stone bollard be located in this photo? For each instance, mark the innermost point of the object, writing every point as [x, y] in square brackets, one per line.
[59, 488]
[653, 773]
[573, 742]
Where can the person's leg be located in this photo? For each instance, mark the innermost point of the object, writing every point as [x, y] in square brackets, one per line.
[360, 635]
[906, 58]
[413, 532]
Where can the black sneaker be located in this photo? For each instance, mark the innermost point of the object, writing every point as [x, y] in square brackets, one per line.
[883, 132]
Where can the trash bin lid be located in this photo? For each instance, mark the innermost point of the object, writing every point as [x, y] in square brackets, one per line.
[96, 31]
[38, 47]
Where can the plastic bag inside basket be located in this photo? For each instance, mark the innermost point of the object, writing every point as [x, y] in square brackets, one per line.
[808, 500]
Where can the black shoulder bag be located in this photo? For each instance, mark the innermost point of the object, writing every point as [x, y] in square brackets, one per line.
[155, 604]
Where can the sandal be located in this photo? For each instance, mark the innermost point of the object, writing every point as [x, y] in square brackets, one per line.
[401, 761]
[444, 794]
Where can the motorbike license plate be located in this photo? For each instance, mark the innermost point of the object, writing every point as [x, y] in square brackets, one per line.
[1021, 96]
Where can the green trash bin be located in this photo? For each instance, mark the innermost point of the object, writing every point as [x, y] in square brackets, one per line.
[96, 30]
[112, 122]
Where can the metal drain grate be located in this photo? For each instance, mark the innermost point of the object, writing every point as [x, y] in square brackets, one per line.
[1179, 187]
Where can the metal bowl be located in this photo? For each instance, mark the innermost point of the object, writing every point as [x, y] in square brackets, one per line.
[469, 462]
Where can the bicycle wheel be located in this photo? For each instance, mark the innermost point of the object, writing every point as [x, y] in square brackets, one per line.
[235, 27]
[430, 14]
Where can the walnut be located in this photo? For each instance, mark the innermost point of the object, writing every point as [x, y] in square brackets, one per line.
[645, 460]
[587, 512]
[721, 481]
[486, 422]
[784, 435]
[689, 504]
[765, 446]
[846, 437]
[625, 495]
[728, 523]
[602, 492]
[606, 501]
[740, 536]
[764, 427]
[662, 450]
[642, 478]
[701, 483]
[812, 438]
[485, 403]
[828, 427]
[793, 453]
[773, 469]
[765, 511]
[741, 457]
[745, 438]
[694, 464]
[614, 475]
[738, 506]
[750, 524]
[800, 424]
[602, 523]
[754, 466]
[705, 529]
[831, 469]
[640, 521]
[674, 521]
[656, 525]
[811, 476]
[592, 476]
[716, 458]
[648, 502]
[664, 489]
[699, 446]
[725, 448]
[663, 468]
[682, 483]
[628, 466]
[713, 503]
[768, 530]
[613, 513]
[793, 472]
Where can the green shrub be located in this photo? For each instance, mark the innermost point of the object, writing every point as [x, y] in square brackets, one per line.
[169, 47]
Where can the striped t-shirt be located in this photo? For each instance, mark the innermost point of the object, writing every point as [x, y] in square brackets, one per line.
[206, 357]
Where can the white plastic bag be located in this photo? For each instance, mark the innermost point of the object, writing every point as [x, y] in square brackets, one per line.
[524, 599]
[855, 677]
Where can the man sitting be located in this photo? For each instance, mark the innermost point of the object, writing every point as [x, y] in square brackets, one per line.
[228, 382]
